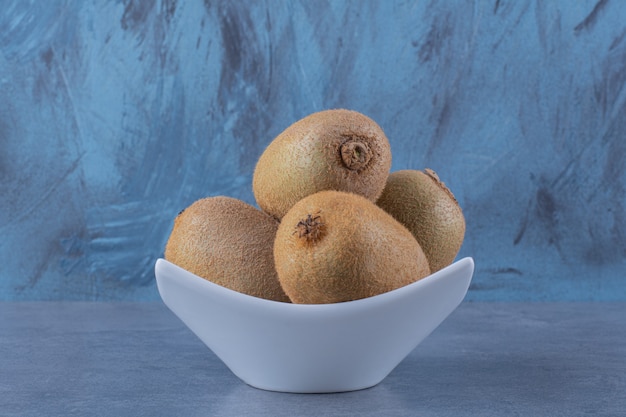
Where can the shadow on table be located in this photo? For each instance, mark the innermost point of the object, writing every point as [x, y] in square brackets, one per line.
[490, 384]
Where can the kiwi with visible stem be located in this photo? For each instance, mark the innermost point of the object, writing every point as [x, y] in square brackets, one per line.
[424, 205]
[336, 149]
[228, 242]
[334, 246]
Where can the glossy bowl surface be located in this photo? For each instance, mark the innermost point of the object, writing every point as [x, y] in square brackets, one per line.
[312, 348]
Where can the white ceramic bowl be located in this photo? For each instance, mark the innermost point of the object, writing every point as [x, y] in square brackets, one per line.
[312, 348]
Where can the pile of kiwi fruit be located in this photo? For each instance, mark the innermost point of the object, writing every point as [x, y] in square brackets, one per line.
[333, 224]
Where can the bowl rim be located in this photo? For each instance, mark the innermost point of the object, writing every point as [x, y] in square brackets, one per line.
[162, 266]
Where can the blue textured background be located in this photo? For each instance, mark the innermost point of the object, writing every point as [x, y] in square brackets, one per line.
[115, 115]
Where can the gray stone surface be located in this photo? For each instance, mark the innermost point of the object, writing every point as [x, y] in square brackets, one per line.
[486, 359]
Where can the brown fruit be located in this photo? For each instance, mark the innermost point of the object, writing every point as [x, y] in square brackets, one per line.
[335, 246]
[424, 205]
[336, 149]
[228, 242]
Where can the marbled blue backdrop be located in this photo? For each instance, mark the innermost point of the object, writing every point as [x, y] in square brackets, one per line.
[114, 115]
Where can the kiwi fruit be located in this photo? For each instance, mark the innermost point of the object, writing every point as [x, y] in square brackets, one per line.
[424, 205]
[334, 246]
[335, 149]
[228, 242]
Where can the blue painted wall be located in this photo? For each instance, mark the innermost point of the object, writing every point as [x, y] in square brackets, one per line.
[114, 115]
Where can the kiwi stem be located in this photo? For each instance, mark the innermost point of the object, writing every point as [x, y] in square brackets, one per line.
[355, 154]
[309, 229]
[433, 175]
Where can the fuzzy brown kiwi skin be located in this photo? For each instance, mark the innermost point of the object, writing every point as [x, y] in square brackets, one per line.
[335, 149]
[334, 246]
[228, 242]
[426, 206]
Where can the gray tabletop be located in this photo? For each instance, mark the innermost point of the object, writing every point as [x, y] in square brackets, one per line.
[487, 359]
